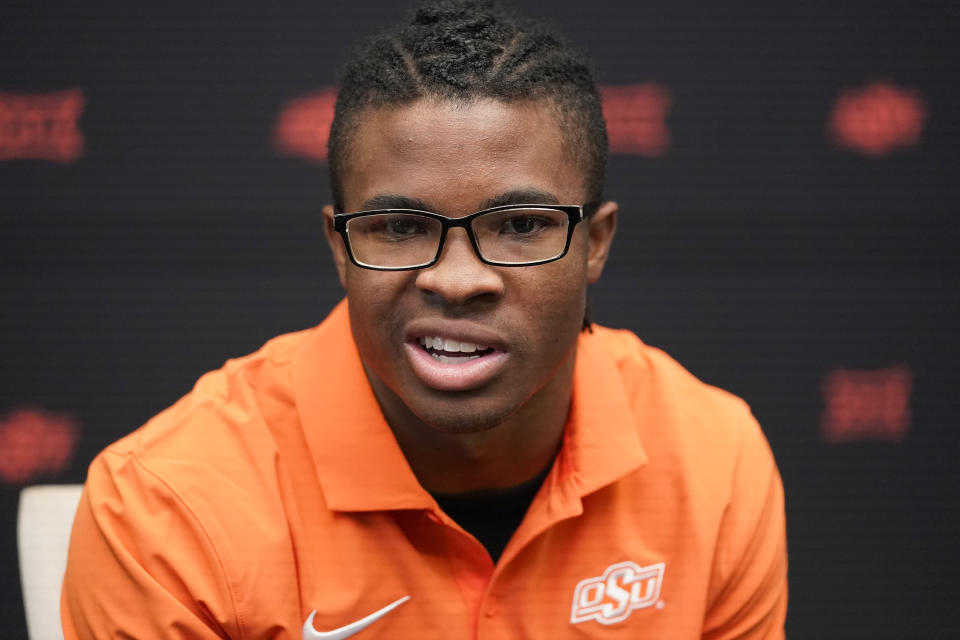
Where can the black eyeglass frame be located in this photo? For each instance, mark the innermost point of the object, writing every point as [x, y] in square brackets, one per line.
[575, 214]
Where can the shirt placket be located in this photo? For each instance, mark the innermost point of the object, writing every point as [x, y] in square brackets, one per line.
[479, 580]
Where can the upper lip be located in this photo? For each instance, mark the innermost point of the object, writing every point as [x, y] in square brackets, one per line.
[459, 330]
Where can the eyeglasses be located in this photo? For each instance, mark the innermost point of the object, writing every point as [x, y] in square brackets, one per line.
[506, 236]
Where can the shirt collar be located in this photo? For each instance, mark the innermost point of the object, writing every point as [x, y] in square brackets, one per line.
[602, 439]
[362, 468]
[359, 463]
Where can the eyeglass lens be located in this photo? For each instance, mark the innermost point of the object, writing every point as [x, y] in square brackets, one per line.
[508, 236]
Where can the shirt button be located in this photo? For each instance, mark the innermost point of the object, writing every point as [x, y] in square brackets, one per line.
[491, 609]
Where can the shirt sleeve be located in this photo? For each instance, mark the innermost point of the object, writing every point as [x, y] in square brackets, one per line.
[140, 564]
[748, 596]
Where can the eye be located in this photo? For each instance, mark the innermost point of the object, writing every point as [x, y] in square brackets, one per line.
[404, 226]
[525, 224]
[395, 227]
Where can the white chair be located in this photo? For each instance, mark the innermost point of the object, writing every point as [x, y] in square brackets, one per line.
[44, 521]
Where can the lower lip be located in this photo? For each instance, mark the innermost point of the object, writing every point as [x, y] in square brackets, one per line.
[462, 376]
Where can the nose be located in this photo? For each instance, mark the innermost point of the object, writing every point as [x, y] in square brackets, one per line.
[459, 276]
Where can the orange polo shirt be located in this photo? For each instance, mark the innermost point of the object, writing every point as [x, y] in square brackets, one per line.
[275, 495]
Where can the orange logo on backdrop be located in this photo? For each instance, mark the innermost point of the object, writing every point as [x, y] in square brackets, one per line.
[33, 442]
[636, 121]
[636, 116]
[877, 119]
[41, 126]
[304, 125]
[866, 404]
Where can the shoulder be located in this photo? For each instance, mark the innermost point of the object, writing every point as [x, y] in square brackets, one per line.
[652, 376]
[210, 458]
[220, 408]
[180, 518]
[681, 420]
[710, 488]
[204, 480]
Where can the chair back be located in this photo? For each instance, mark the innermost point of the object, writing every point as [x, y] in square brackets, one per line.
[44, 521]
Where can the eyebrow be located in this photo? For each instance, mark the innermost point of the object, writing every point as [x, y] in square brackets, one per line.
[520, 196]
[516, 196]
[393, 201]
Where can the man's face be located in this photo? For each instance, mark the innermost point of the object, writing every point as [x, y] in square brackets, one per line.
[453, 159]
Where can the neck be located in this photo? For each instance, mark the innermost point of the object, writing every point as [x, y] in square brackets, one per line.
[505, 455]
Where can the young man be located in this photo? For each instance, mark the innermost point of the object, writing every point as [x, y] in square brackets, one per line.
[453, 452]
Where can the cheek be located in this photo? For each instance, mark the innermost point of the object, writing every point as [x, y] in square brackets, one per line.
[373, 288]
[570, 288]
[570, 282]
[557, 302]
[374, 303]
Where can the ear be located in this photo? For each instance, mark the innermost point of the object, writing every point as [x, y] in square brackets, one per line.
[336, 245]
[603, 225]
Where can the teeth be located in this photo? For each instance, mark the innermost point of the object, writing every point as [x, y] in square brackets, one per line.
[448, 345]
[453, 359]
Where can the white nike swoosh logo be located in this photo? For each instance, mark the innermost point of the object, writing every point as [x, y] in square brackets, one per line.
[309, 633]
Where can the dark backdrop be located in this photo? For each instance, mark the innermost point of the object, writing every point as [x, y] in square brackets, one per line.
[788, 232]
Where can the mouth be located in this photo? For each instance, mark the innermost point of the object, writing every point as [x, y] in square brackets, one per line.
[450, 351]
[446, 363]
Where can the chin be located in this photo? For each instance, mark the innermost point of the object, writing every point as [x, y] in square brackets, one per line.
[463, 421]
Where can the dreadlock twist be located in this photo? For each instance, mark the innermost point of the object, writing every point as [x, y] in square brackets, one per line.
[468, 49]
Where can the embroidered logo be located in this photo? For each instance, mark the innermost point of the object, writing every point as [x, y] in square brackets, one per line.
[612, 597]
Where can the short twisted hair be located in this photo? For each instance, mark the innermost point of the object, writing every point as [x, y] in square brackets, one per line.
[468, 49]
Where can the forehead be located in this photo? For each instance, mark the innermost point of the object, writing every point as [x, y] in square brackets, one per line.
[455, 155]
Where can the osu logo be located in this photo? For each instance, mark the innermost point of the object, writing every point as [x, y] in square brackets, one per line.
[34, 441]
[41, 126]
[303, 127]
[866, 404]
[877, 119]
[611, 597]
[636, 117]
